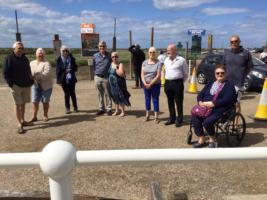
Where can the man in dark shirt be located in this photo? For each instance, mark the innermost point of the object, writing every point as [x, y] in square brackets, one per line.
[238, 63]
[138, 59]
[101, 65]
[17, 73]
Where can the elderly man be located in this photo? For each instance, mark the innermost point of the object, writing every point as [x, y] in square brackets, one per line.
[101, 64]
[176, 72]
[238, 62]
[17, 73]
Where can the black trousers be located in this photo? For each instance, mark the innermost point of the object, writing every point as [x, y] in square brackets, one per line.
[174, 90]
[69, 91]
[137, 75]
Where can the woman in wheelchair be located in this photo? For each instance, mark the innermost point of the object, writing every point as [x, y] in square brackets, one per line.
[219, 96]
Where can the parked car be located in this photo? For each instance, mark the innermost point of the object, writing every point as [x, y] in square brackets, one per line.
[253, 82]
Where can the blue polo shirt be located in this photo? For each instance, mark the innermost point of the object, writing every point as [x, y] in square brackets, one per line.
[101, 63]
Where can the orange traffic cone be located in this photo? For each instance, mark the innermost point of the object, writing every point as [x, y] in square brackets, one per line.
[193, 82]
[261, 113]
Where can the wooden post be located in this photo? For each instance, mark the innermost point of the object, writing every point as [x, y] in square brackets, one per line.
[152, 37]
[210, 37]
[131, 56]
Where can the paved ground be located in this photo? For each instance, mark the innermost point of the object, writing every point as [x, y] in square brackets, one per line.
[88, 131]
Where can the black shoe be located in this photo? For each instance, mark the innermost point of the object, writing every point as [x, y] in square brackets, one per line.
[169, 122]
[199, 145]
[178, 124]
[109, 113]
[213, 144]
[67, 111]
[75, 110]
[100, 112]
[21, 130]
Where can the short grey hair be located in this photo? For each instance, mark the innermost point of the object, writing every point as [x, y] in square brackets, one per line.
[64, 47]
[102, 42]
[152, 49]
[16, 44]
[40, 50]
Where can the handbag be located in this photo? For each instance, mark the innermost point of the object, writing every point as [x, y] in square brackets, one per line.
[204, 111]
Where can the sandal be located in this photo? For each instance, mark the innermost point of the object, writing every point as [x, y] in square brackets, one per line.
[115, 113]
[34, 119]
[45, 119]
[156, 120]
[146, 118]
[122, 115]
[21, 130]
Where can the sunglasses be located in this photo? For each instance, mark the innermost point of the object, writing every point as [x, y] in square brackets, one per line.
[152, 52]
[114, 57]
[102, 46]
[234, 41]
[218, 73]
[65, 51]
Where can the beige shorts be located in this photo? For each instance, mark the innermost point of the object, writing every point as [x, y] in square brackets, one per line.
[21, 95]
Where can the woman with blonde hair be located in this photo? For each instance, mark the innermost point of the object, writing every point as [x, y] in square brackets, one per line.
[150, 74]
[43, 83]
[118, 88]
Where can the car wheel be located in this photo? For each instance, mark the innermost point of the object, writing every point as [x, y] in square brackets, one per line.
[247, 84]
[201, 78]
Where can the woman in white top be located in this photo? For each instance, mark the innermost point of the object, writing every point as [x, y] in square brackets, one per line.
[43, 83]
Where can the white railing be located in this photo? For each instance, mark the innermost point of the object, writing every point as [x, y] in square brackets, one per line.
[58, 159]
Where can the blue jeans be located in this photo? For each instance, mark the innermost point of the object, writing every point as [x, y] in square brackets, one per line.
[153, 92]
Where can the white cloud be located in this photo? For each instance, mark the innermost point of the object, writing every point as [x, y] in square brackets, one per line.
[28, 7]
[179, 4]
[223, 11]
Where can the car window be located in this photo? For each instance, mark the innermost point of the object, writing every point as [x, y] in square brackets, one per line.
[257, 61]
[213, 60]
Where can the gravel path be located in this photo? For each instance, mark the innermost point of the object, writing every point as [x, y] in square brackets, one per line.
[210, 180]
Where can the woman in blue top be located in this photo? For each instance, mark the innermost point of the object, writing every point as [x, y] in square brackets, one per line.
[226, 99]
[150, 74]
[66, 68]
[118, 88]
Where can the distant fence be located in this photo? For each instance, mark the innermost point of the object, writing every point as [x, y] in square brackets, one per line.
[58, 159]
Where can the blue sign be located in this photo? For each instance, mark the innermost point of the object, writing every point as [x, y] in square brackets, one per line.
[196, 32]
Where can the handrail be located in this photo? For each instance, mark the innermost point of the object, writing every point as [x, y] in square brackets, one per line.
[58, 159]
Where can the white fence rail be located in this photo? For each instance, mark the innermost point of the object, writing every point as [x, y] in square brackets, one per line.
[58, 159]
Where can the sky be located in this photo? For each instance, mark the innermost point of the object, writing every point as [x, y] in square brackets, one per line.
[39, 20]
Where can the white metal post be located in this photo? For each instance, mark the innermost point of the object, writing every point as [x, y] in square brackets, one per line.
[60, 188]
[58, 158]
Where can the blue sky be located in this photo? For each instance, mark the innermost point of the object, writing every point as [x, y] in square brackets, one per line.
[40, 20]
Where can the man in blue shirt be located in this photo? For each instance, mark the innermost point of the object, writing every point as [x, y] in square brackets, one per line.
[101, 64]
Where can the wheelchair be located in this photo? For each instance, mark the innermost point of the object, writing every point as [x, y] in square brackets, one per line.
[232, 124]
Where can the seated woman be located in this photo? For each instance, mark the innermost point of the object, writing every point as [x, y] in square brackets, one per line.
[226, 97]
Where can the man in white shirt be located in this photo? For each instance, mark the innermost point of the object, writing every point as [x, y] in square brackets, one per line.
[176, 72]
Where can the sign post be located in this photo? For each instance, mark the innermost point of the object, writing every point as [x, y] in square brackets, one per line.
[89, 39]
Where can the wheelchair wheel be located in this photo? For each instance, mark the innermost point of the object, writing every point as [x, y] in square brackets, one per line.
[189, 137]
[235, 130]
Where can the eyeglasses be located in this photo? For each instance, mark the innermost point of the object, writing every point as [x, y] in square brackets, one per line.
[234, 41]
[65, 50]
[102, 46]
[114, 57]
[218, 73]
